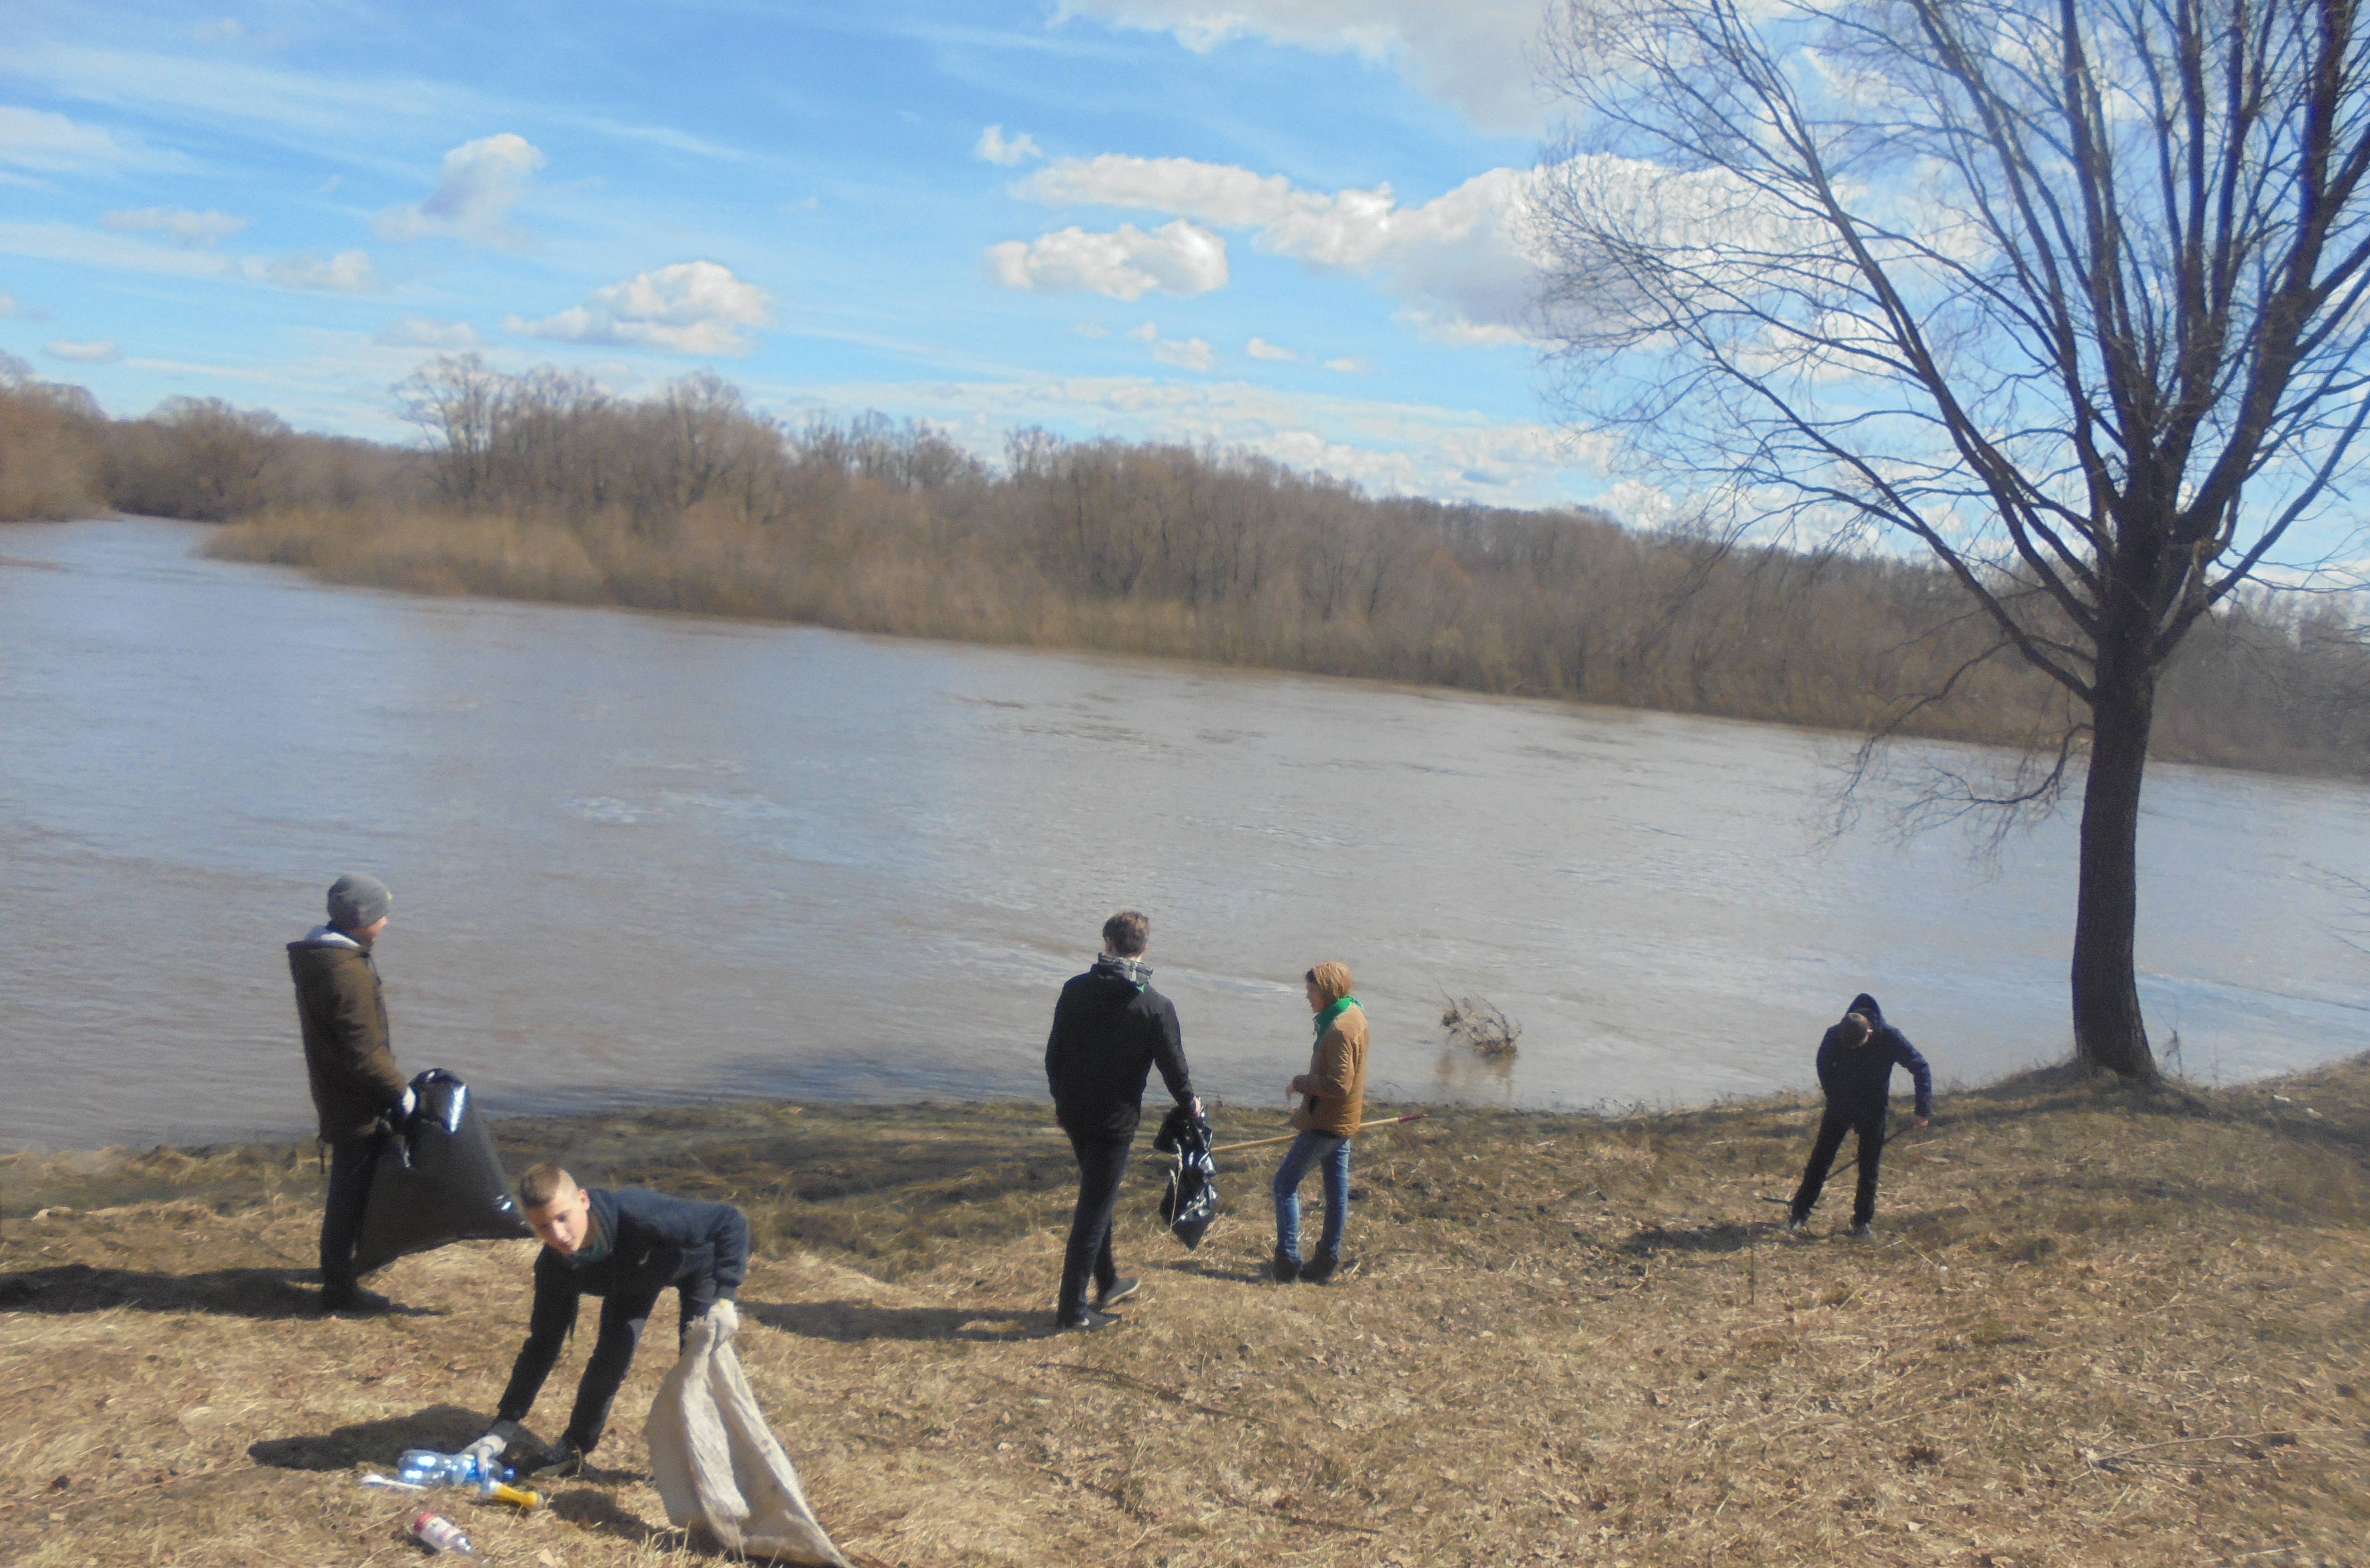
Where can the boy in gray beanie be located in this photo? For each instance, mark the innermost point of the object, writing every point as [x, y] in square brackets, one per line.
[351, 1067]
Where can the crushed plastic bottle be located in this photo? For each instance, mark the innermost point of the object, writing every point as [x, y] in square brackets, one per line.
[426, 1466]
[439, 1534]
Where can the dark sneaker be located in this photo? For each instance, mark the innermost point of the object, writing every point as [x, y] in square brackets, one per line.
[1287, 1267]
[1119, 1291]
[1796, 1224]
[1088, 1317]
[560, 1461]
[1319, 1269]
[355, 1303]
[1863, 1231]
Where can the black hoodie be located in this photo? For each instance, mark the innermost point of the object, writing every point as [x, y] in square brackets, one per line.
[1108, 1033]
[639, 1244]
[1859, 1079]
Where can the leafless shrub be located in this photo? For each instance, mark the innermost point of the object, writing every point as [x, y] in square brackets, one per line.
[1480, 1027]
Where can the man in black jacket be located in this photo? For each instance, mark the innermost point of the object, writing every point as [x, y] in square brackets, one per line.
[1111, 1029]
[1855, 1062]
[351, 1069]
[626, 1245]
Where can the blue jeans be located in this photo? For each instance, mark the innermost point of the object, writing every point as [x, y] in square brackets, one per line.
[1308, 1150]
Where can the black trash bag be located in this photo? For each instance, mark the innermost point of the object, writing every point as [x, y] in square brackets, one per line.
[437, 1180]
[1191, 1201]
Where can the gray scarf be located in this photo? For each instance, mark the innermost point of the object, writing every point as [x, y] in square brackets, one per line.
[1135, 971]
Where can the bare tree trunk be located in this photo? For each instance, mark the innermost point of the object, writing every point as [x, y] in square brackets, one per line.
[2109, 1033]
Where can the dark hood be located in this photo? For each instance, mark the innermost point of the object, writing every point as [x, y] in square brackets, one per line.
[1865, 1006]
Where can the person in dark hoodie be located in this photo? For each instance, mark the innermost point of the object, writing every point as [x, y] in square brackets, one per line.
[1111, 1029]
[629, 1245]
[350, 1067]
[1855, 1061]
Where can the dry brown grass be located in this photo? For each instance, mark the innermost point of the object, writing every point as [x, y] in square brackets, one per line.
[2100, 1326]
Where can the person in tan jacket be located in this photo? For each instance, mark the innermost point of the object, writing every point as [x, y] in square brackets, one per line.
[1332, 1098]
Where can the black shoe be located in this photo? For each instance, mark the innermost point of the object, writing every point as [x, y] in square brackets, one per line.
[560, 1461]
[1119, 1291]
[1088, 1317]
[1319, 1269]
[353, 1302]
[1862, 1231]
[1796, 1224]
[1287, 1267]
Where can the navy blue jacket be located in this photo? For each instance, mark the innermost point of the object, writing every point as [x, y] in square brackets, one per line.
[1108, 1033]
[640, 1244]
[1859, 1079]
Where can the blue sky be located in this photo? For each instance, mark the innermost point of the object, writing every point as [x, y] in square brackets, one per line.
[1290, 224]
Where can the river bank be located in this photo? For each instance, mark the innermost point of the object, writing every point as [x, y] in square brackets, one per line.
[2099, 1325]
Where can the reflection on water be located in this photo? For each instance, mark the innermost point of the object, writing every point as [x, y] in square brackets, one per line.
[651, 857]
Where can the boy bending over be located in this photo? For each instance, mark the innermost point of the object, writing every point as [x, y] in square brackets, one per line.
[625, 1245]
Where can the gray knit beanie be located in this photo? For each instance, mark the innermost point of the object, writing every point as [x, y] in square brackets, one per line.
[356, 901]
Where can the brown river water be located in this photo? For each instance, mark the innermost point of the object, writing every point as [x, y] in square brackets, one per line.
[640, 857]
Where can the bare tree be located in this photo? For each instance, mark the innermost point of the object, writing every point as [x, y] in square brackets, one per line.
[2070, 291]
[456, 401]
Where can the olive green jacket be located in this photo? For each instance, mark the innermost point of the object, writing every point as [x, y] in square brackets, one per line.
[346, 1057]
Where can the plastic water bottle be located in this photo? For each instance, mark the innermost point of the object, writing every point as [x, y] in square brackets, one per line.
[440, 1534]
[426, 1466]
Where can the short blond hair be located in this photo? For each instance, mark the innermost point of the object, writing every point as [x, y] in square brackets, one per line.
[1332, 980]
[543, 1184]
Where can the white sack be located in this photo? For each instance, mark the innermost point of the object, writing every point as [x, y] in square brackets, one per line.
[715, 1462]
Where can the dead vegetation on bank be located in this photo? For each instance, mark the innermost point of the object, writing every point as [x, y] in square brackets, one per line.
[2100, 1326]
[543, 486]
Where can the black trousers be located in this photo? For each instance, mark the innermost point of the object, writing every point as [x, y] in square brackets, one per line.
[1839, 1120]
[1101, 1166]
[351, 1163]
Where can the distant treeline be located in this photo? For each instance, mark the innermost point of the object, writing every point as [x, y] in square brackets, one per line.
[543, 486]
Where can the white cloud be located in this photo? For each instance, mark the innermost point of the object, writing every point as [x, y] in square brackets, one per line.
[89, 247]
[221, 30]
[1187, 353]
[1640, 505]
[103, 351]
[996, 148]
[1461, 261]
[349, 271]
[9, 306]
[481, 181]
[1260, 349]
[426, 332]
[37, 139]
[1091, 329]
[690, 308]
[1350, 365]
[1191, 354]
[180, 225]
[1178, 258]
[1473, 54]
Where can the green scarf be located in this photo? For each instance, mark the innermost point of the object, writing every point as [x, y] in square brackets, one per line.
[1324, 1020]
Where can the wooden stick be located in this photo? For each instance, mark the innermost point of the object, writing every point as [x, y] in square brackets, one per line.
[1287, 1137]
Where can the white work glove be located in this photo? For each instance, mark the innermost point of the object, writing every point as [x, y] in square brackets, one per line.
[726, 1317]
[489, 1448]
